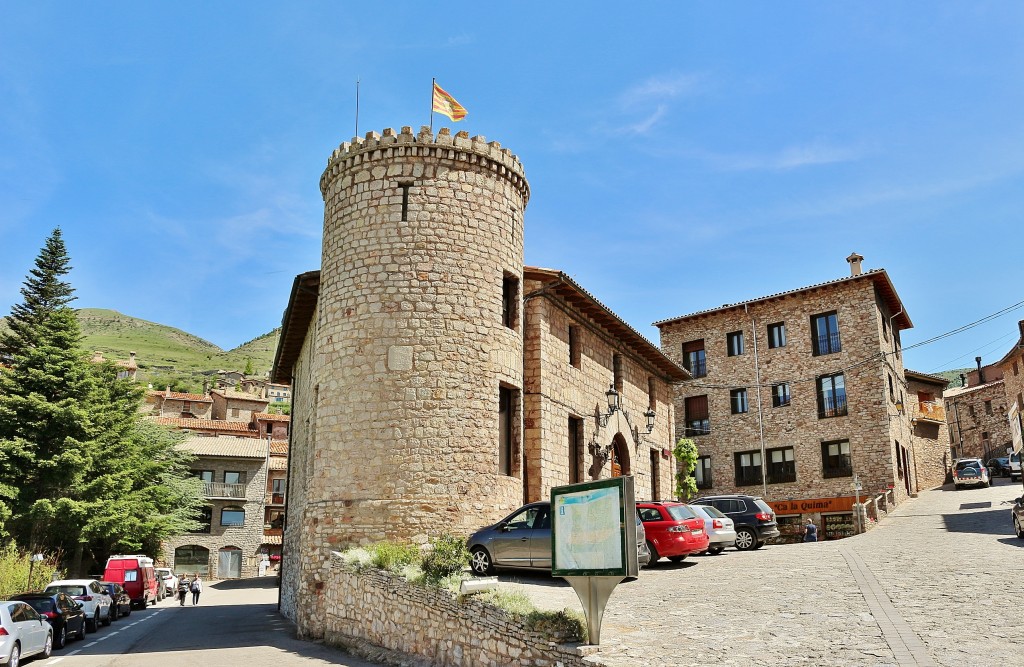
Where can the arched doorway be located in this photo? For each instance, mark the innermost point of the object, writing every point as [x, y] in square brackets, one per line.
[192, 559]
[620, 456]
[229, 563]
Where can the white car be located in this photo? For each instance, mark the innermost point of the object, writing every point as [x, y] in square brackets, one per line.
[96, 602]
[23, 632]
[720, 528]
[970, 472]
[166, 575]
[1015, 466]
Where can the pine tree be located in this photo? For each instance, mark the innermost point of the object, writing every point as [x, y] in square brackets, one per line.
[248, 367]
[44, 292]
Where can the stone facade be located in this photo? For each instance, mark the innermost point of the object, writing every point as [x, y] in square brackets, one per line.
[236, 406]
[173, 404]
[1012, 367]
[216, 457]
[977, 420]
[872, 437]
[427, 626]
[929, 441]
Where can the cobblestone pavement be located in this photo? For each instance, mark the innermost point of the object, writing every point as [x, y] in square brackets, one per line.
[936, 582]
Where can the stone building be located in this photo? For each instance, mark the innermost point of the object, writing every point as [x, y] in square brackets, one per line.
[177, 404]
[795, 395]
[977, 415]
[929, 435]
[234, 405]
[230, 543]
[1012, 368]
[433, 385]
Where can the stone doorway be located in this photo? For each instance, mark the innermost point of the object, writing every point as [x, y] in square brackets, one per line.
[620, 456]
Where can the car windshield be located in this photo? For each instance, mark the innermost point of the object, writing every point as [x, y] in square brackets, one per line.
[712, 512]
[69, 590]
[1015, 458]
[763, 506]
[680, 512]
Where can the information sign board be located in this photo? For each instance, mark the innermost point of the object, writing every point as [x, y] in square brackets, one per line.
[593, 529]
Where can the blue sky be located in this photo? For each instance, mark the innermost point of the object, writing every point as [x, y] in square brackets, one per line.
[680, 155]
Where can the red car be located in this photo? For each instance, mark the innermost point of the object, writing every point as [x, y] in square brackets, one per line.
[673, 530]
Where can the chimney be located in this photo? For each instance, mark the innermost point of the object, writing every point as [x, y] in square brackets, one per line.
[167, 391]
[981, 373]
[854, 259]
[963, 380]
[1020, 325]
[206, 387]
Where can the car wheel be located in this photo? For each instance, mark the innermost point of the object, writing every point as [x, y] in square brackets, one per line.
[655, 556]
[745, 539]
[62, 637]
[15, 658]
[716, 550]
[93, 624]
[48, 646]
[107, 619]
[480, 561]
[760, 544]
[129, 612]
[1018, 527]
[81, 629]
[677, 559]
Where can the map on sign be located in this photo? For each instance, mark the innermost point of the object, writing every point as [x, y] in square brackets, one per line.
[590, 521]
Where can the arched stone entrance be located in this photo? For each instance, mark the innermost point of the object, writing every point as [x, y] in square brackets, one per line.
[620, 456]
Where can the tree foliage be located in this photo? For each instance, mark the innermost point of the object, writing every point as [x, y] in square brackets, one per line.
[248, 367]
[686, 460]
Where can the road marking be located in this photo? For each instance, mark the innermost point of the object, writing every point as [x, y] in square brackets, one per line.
[90, 644]
[55, 661]
[907, 647]
[76, 651]
[111, 634]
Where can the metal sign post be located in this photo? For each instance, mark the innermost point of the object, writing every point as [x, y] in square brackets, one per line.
[857, 488]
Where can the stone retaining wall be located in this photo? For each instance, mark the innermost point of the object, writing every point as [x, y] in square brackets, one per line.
[384, 617]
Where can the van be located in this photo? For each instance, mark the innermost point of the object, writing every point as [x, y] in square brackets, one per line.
[1015, 466]
[136, 574]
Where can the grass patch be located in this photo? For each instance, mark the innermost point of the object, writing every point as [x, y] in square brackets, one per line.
[564, 625]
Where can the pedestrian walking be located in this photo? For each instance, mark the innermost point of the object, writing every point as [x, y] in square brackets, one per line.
[196, 588]
[183, 588]
[810, 531]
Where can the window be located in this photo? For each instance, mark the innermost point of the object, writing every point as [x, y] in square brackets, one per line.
[655, 475]
[205, 475]
[186, 408]
[574, 346]
[831, 396]
[232, 515]
[131, 575]
[748, 468]
[777, 335]
[276, 519]
[270, 428]
[899, 460]
[835, 459]
[702, 473]
[575, 449]
[984, 440]
[734, 342]
[780, 395]
[509, 294]
[504, 431]
[970, 410]
[697, 422]
[234, 477]
[205, 518]
[988, 407]
[405, 200]
[694, 359]
[892, 392]
[277, 490]
[825, 333]
[781, 465]
[738, 401]
[885, 327]
[1015, 369]
[617, 373]
[234, 412]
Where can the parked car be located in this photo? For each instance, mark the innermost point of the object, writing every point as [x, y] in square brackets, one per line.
[94, 600]
[170, 581]
[999, 466]
[522, 541]
[720, 528]
[64, 615]
[672, 529]
[134, 572]
[1015, 466]
[1017, 512]
[119, 596]
[23, 633]
[753, 519]
[970, 472]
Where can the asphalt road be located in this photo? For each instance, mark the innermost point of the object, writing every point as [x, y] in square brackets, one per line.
[235, 623]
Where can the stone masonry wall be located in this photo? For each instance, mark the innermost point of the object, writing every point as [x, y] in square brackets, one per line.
[870, 426]
[930, 435]
[425, 626]
[973, 414]
[556, 390]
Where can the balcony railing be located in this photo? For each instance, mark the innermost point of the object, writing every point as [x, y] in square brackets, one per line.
[698, 369]
[827, 344]
[698, 427]
[832, 407]
[748, 476]
[781, 474]
[837, 471]
[931, 411]
[275, 499]
[223, 490]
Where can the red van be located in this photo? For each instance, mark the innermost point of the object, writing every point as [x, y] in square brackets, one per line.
[137, 576]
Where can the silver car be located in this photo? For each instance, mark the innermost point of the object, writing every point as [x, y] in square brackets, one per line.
[720, 528]
[25, 633]
[522, 541]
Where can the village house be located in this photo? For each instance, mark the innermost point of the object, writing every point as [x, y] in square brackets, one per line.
[977, 415]
[1012, 368]
[929, 432]
[800, 396]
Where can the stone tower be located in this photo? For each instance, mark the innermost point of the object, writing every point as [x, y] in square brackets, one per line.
[417, 357]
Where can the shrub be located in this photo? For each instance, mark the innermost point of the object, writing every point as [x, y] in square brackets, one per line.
[565, 625]
[14, 572]
[448, 556]
[393, 556]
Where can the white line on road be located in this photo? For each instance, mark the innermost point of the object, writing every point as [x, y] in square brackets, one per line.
[55, 661]
[90, 644]
[77, 650]
[111, 634]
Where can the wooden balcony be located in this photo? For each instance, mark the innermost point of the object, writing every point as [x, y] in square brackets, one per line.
[224, 490]
[274, 499]
[931, 411]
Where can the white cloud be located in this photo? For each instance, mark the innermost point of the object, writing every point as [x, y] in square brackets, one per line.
[659, 88]
[791, 157]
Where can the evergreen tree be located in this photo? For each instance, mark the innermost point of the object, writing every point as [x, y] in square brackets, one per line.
[248, 367]
[44, 292]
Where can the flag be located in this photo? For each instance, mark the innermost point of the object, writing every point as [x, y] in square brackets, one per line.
[446, 105]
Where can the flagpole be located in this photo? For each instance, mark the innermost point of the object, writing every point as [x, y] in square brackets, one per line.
[433, 82]
[357, 107]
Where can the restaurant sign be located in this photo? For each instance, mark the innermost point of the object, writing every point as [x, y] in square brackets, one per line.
[811, 505]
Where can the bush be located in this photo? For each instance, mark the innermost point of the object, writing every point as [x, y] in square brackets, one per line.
[565, 625]
[14, 572]
[393, 556]
[448, 556]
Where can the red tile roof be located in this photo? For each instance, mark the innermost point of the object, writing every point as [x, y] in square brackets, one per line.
[180, 396]
[204, 424]
[266, 416]
[279, 447]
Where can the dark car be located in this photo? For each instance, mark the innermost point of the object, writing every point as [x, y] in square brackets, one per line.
[999, 466]
[122, 605]
[1017, 512]
[66, 616]
[522, 541]
[754, 520]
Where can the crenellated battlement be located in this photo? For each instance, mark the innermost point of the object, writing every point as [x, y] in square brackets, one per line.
[444, 146]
